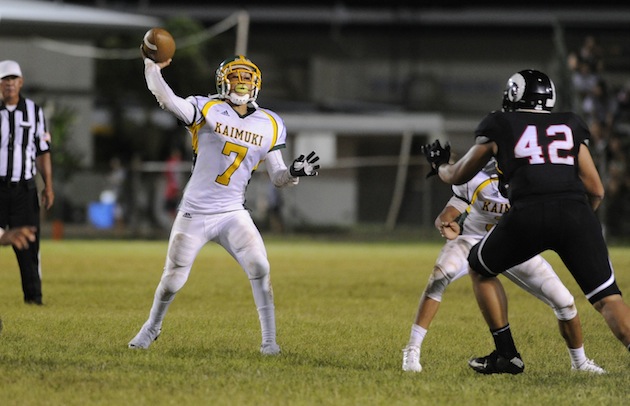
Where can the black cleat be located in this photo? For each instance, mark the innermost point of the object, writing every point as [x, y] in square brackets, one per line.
[497, 364]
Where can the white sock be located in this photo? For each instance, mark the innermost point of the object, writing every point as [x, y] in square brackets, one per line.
[578, 356]
[417, 336]
[263, 297]
[161, 302]
[267, 318]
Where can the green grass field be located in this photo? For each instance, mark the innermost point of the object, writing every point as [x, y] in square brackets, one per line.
[343, 312]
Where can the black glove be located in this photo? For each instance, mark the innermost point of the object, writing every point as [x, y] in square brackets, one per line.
[304, 166]
[436, 155]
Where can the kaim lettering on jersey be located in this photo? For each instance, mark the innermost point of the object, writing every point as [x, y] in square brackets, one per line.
[494, 207]
[233, 132]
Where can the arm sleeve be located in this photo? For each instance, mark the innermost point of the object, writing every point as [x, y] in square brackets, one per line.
[277, 170]
[165, 96]
[459, 204]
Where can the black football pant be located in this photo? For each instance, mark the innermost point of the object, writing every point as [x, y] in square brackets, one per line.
[567, 226]
[19, 206]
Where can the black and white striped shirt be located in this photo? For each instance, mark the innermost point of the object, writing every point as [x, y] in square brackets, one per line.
[23, 137]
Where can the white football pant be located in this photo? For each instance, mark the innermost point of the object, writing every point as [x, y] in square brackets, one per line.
[536, 276]
[236, 232]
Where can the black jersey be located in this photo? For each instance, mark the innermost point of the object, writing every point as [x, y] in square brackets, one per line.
[537, 152]
[538, 155]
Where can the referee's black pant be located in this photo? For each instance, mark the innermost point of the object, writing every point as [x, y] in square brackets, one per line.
[19, 206]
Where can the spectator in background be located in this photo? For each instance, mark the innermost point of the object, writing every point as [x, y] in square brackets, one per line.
[597, 105]
[599, 145]
[114, 188]
[622, 110]
[586, 65]
[173, 188]
[607, 113]
[584, 78]
[592, 53]
[617, 186]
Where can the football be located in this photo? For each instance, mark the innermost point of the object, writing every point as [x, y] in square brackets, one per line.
[158, 45]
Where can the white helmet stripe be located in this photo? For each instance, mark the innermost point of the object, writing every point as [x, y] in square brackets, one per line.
[517, 87]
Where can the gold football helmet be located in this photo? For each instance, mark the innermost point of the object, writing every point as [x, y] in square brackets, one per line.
[238, 64]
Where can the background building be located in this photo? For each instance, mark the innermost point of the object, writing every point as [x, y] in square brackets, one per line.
[363, 82]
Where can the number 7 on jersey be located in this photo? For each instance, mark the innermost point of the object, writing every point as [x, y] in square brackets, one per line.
[228, 149]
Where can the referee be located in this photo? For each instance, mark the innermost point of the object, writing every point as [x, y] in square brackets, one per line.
[24, 150]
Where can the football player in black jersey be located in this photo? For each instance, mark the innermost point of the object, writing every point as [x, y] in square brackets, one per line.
[554, 189]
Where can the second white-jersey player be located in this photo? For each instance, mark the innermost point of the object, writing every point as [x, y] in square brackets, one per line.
[482, 204]
[231, 136]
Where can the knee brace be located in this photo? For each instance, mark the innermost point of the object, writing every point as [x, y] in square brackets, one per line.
[562, 302]
[437, 285]
[566, 313]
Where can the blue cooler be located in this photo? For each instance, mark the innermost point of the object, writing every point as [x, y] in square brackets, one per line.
[101, 215]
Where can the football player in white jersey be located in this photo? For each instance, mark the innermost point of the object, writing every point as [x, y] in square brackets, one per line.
[478, 205]
[231, 136]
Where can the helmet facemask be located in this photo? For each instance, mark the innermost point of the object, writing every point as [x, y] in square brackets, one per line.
[234, 73]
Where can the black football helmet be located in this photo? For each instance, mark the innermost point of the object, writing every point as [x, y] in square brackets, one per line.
[529, 89]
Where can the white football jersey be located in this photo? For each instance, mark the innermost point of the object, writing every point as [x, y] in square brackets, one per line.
[481, 202]
[228, 148]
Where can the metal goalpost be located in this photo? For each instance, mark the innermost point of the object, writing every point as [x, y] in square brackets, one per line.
[238, 20]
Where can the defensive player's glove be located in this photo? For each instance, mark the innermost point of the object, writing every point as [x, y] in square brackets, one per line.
[304, 166]
[436, 155]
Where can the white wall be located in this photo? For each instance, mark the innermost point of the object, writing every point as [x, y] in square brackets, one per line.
[55, 80]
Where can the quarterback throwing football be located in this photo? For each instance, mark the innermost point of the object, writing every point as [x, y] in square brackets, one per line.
[231, 136]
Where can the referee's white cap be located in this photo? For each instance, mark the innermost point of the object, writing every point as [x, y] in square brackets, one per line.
[9, 68]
